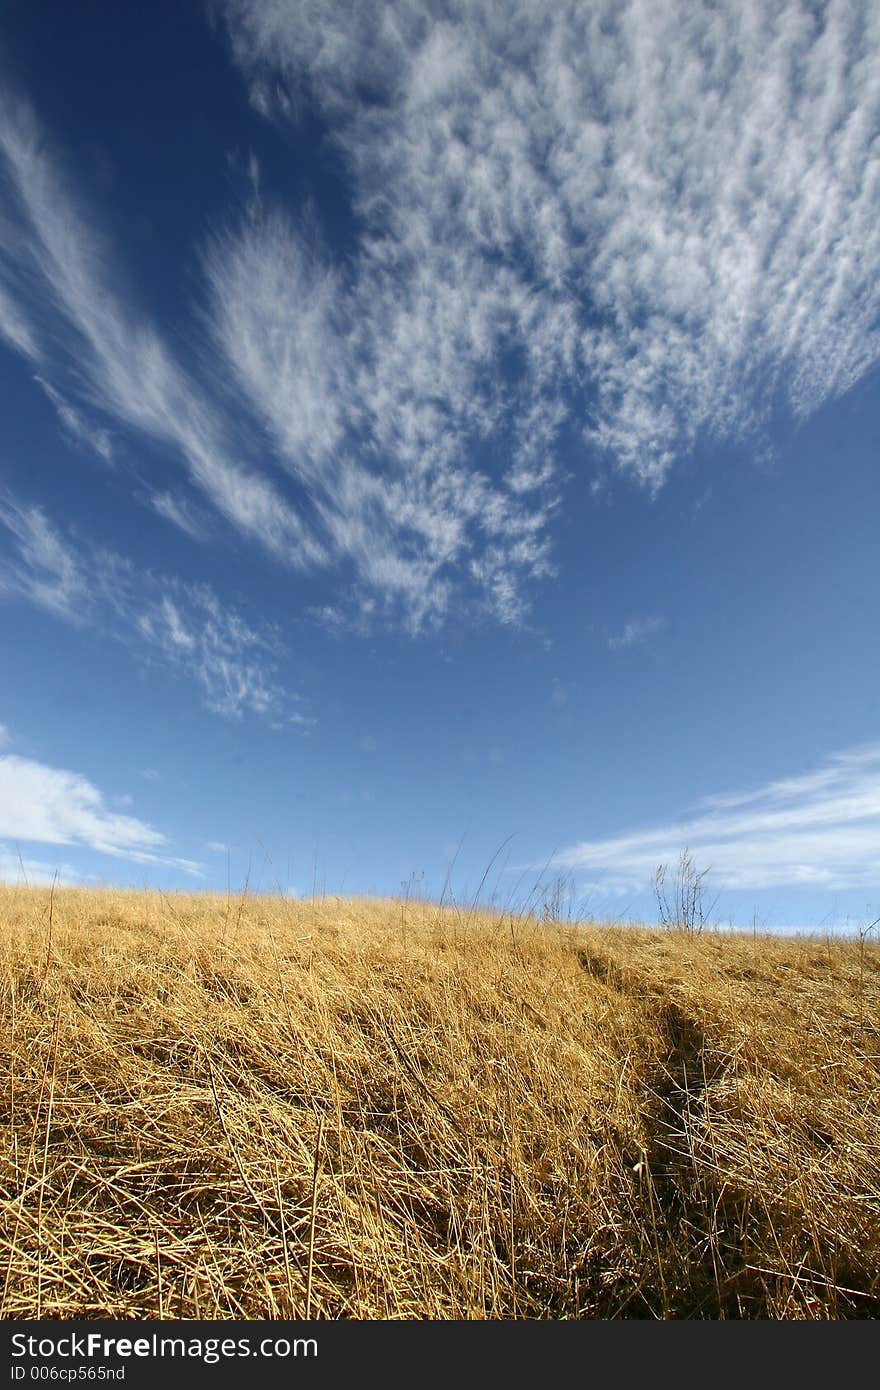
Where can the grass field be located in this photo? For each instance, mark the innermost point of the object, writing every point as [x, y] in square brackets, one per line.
[261, 1108]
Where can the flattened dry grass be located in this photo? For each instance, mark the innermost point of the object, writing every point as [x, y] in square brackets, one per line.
[257, 1108]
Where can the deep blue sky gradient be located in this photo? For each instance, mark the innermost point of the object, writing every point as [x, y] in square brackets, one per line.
[757, 559]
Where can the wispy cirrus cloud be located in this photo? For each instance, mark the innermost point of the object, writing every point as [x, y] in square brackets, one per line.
[185, 627]
[410, 536]
[76, 426]
[377, 416]
[50, 805]
[584, 232]
[180, 513]
[648, 222]
[14, 328]
[233, 662]
[635, 632]
[44, 570]
[113, 356]
[820, 829]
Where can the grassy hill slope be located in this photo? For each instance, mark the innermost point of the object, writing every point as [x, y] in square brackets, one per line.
[263, 1108]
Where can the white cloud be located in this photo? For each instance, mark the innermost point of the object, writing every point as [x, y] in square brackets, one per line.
[820, 829]
[180, 513]
[75, 424]
[405, 530]
[606, 229]
[123, 365]
[185, 626]
[216, 847]
[385, 460]
[51, 805]
[46, 571]
[655, 221]
[304, 722]
[329, 617]
[635, 632]
[5, 736]
[14, 328]
[232, 662]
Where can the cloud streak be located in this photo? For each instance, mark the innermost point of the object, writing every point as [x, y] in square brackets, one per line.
[637, 631]
[122, 365]
[45, 570]
[180, 513]
[50, 805]
[652, 222]
[582, 233]
[376, 412]
[818, 830]
[183, 626]
[391, 502]
[76, 426]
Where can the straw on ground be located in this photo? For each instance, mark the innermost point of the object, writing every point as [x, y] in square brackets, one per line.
[268, 1109]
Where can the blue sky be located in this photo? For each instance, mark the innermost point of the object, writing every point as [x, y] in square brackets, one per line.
[440, 438]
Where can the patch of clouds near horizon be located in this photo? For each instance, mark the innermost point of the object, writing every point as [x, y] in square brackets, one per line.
[818, 830]
[51, 805]
[19, 868]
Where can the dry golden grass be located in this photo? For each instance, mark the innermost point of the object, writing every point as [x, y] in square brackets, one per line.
[273, 1109]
